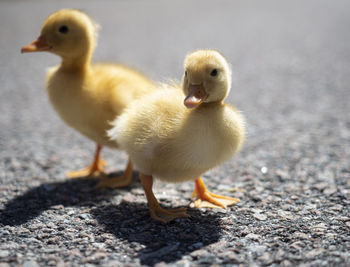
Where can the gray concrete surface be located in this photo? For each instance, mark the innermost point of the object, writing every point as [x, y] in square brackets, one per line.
[291, 63]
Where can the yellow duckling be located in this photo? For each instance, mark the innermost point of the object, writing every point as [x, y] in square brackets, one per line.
[86, 96]
[176, 137]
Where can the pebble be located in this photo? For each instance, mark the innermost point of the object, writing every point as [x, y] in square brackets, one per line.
[321, 186]
[286, 215]
[343, 218]
[57, 207]
[279, 255]
[264, 170]
[259, 216]
[61, 263]
[51, 225]
[299, 235]
[113, 263]
[98, 255]
[259, 249]
[266, 258]
[297, 245]
[286, 263]
[282, 174]
[99, 245]
[231, 256]
[32, 240]
[201, 253]
[84, 216]
[321, 227]
[253, 236]
[314, 253]
[54, 240]
[330, 191]
[337, 207]
[129, 198]
[4, 253]
[30, 263]
[331, 236]
[182, 263]
[36, 226]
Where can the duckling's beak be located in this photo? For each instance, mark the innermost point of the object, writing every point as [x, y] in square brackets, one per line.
[38, 45]
[195, 96]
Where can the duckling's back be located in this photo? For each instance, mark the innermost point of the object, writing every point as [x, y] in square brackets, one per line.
[89, 100]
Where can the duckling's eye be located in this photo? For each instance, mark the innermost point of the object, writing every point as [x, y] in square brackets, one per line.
[185, 73]
[214, 72]
[63, 29]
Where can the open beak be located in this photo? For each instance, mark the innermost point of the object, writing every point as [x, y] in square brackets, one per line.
[195, 96]
[38, 45]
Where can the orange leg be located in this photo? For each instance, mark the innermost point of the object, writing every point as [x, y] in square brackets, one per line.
[96, 168]
[157, 213]
[206, 199]
[118, 181]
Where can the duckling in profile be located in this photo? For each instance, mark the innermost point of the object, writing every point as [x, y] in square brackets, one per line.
[86, 96]
[177, 135]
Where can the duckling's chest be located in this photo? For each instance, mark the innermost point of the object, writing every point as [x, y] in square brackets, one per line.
[189, 151]
[76, 104]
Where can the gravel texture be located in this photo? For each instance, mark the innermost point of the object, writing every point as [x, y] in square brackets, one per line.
[292, 73]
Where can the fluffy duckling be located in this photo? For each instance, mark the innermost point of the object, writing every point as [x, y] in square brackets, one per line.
[177, 135]
[86, 96]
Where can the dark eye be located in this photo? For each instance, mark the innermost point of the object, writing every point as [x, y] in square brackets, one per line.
[185, 73]
[214, 72]
[63, 29]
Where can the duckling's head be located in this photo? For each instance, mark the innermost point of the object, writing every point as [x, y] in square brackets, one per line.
[68, 33]
[207, 78]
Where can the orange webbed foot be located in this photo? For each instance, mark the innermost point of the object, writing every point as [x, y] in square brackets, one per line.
[95, 169]
[117, 181]
[206, 199]
[91, 171]
[167, 215]
[156, 211]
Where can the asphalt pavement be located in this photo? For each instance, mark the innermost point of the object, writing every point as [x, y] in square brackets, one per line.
[291, 65]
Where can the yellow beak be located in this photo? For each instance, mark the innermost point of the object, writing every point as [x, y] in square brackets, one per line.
[38, 45]
[195, 96]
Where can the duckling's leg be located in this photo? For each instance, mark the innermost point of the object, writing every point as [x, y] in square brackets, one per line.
[96, 168]
[118, 181]
[157, 213]
[206, 199]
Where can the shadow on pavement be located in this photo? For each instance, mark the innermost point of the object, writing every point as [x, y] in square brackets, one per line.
[72, 192]
[126, 221]
[159, 243]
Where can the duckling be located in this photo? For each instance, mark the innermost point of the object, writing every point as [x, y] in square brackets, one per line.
[86, 96]
[176, 135]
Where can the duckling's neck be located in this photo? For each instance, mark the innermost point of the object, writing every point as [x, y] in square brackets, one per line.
[75, 64]
[211, 105]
